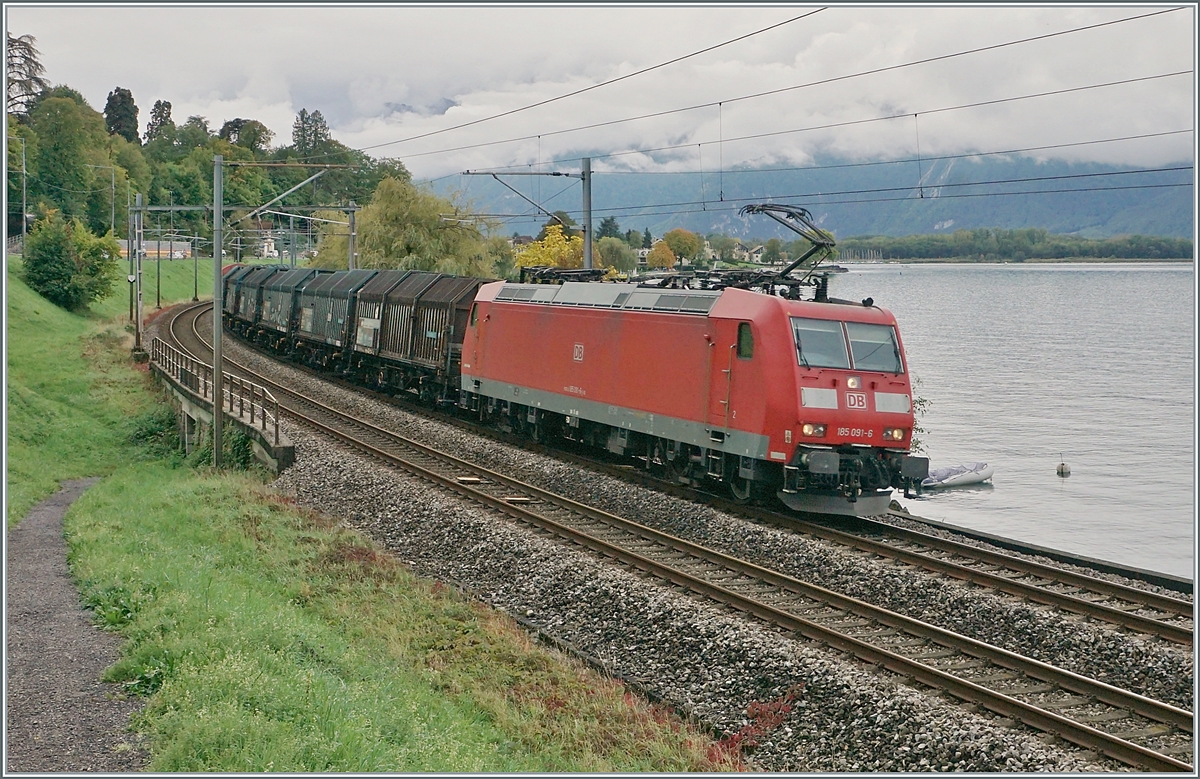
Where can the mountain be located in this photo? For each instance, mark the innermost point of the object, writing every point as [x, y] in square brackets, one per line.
[853, 199]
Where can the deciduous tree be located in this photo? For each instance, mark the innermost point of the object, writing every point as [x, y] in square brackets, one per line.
[555, 249]
[660, 256]
[67, 264]
[615, 252]
[563, 222]
[684, 244]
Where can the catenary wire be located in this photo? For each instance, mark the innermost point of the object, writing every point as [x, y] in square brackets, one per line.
[714, 103]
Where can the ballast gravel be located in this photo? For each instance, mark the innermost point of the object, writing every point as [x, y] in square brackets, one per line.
[1149, 666]
[794, 705]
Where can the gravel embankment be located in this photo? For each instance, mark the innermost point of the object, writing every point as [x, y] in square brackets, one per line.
[833, 714]
[1151, 667]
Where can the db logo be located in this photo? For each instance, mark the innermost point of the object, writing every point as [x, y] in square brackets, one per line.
[856, 400]
[579, 356]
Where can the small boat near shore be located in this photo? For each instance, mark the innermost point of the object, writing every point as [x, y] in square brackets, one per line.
[957, 476]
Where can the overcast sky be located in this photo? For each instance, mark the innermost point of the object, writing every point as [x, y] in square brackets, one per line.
[383, 74]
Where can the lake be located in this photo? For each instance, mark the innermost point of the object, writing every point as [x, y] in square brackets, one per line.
[1027, 364]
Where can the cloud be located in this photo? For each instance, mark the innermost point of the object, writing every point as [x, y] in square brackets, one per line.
[383, 74]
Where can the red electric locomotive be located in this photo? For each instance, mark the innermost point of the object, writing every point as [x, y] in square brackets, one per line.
[811, 401]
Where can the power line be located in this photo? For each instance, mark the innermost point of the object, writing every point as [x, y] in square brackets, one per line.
[717, 207]
[880, 190]
[965, 155]
[593, 86]
[806, 85]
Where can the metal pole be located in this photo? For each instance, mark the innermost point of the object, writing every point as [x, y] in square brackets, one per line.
[587, 212]
[292, 237]
[112, 217]
[24, 206]
[353, 233]
[129, 250]
[137, 221]
[158, 267]
[218, 221]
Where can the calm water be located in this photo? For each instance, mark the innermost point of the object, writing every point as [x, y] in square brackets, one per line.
[1023, 362]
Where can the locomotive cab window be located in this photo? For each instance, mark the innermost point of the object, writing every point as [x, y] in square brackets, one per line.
[474, 314]
[820, 343]
[874, 347]
[745, 342]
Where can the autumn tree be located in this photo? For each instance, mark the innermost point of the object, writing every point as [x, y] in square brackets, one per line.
[121, 115]
[555, 249]
[684, 244]
[25, 74]
[565, 224]
[660, 256]
[616, 253]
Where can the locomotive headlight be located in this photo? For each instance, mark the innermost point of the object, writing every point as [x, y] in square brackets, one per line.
[854, 382]
[812, 430]
[893, 434]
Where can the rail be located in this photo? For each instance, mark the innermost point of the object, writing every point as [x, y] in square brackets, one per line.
[236, 393]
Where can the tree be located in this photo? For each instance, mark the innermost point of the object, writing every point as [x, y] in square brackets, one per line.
[555, 249]
[250, 133]
[402, 228]
[25, 71]
[647, 239]
[609, 228]
[723, 246]
[772, 251]
[615, 252]
[684, 244]
[310, 133]
[633, 238]
[563, 222]
[67, 264]
[193, 134]
[160, 125]
[660, 256]
[121, 115]
[69, 135]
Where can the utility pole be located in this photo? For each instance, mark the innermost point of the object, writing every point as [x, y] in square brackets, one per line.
[129, 252]
[24, 207]
[585, 175]
[353, 233]
[218, 390]
[292, 235]
[138, 351]
[587, 212]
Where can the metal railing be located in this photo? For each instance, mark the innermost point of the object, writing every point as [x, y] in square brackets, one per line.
[236, 393]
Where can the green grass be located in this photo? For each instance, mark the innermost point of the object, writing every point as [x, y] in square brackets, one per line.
[72, 401]
[263, 637]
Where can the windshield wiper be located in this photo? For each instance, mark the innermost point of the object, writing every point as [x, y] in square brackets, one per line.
[800, 354]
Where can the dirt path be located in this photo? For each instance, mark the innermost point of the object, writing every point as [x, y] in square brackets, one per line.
[59, 715]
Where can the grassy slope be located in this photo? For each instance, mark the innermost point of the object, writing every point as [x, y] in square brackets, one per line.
[263, 637]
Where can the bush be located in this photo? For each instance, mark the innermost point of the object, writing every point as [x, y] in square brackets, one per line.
[67, 264]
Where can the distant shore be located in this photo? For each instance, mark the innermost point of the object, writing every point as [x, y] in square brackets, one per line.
[1027, 261]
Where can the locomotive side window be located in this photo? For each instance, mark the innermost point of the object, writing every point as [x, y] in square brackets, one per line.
[745, 343]
[820, 343]
[474, 314]
[874, 347]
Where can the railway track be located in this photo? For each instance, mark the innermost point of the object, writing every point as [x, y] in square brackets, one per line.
[1123, 725]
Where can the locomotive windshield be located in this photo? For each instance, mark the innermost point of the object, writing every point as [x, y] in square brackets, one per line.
[822, 343]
